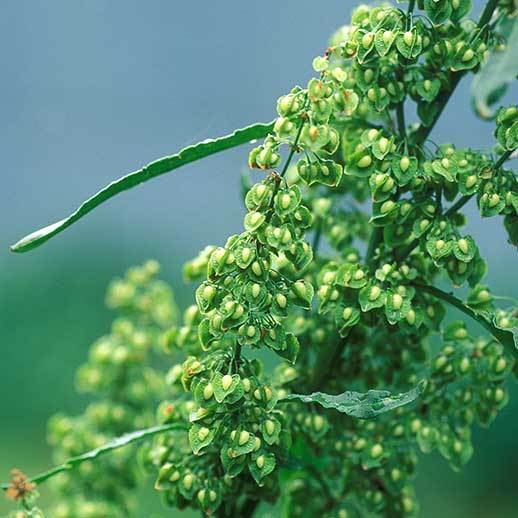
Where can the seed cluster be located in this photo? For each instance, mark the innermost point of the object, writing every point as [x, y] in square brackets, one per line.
[355, 310]
[370, 324]
[126, 389]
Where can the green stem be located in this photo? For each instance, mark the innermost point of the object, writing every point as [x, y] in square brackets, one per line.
[114, 444]
[487, 13]
[374, 241]
[411, 5]
[400, 114]
[422, 133]
[458, 204]
[237, 357]
[249, 508]
[293, 148]
[317, 236]
[504, 337]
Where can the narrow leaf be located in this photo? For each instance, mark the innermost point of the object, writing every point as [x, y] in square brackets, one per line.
[115, 443]
[158, 167]
[507, 337]
[361, 405]
[491, 83]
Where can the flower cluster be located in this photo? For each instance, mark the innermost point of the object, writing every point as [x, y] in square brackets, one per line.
[126, 389]
[372, 318]
[234, 422]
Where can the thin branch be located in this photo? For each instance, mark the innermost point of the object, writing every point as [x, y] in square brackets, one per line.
[374, 241]
[293, 148]
[114, 444]
[422, 133]
[503, 336]
[400, 114]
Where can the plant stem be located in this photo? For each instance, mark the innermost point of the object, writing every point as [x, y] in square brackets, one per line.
[422, 133]
[118, 442]
[458, 204]
[411, 5]
[487, 13]
[374, 240]
[400, 114]
[237, 357]
[293, 148]
[249, 508]
[317, 236]
[504, 337]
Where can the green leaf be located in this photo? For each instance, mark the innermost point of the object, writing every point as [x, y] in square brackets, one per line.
[491, 83]
[291, 350]
[114, 444]
[158, 167]
[361, 405]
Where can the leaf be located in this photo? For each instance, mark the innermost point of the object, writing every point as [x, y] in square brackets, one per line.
[114, 444]
[158, 167]
[361, 405]
[491, 83]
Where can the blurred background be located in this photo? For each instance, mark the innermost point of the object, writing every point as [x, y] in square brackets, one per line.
[92, 90]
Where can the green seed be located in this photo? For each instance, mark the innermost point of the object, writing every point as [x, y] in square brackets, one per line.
[376, 451]
[404, 163]
[367, 39]
[463, 245]
[226, 381]
[374, 293]
[408, 38]
[285, 201]
[471, 180]
[203, 433]
[208, 292]
[318, 423]
[244, 436]
[387, 206]
[364, 161]
[397, 301]
[347, 312]
[468, 55]
[188, 481]
[372, 134]
[359, 275]
[500, 365]
[483, 295]
[208, 391]
[494, 200]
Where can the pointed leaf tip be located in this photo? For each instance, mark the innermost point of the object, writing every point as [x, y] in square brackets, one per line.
[161, 166]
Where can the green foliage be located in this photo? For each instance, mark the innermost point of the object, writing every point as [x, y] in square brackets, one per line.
[126, 388]
[359, 313]
[364, 406]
